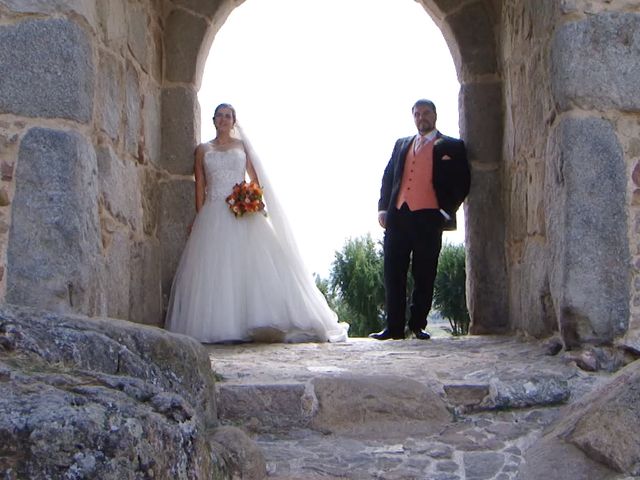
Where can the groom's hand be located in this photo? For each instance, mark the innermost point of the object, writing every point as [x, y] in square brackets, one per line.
[382, 219]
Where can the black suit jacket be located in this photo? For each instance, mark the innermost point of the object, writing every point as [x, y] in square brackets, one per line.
[451, 176]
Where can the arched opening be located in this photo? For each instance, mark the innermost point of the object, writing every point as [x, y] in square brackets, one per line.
[480, 124]
[324, 110]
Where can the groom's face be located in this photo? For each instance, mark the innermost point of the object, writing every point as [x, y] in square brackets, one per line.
[425, 118]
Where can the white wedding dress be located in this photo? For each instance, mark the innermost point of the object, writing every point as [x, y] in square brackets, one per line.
[236, 282]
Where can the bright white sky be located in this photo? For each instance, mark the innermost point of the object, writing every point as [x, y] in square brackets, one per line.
[323, 90]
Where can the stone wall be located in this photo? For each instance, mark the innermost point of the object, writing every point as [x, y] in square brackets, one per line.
[80, 140]
[99, 117]
[470, 29]
[571, 124]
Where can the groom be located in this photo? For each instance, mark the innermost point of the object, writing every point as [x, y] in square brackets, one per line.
[423, 186]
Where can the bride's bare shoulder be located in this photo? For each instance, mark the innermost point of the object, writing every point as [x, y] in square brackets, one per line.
[203, 147]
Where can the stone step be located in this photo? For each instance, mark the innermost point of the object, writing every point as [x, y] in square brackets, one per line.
[358, 403]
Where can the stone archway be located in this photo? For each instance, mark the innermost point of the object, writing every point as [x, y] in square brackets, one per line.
[474, 52]
[99, 115]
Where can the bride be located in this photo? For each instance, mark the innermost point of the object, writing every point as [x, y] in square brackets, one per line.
[242, 278]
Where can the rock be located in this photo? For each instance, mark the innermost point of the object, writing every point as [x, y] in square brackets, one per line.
[528, 392]
[594, 60]
[109, 96]
[145, 289]
[367, 405]
[482, 465]
[133, 112]
[175, 214]
[553, 346]
[179, 138]
[119, 187]
[597, 437]
[466, 396]
[587, 225]
[553, 458]
[185, 33]
[243, 458]
[266, 407]
[585, 360]
[100, 398]
[53, 253]
[47, 70]
[594, 359]
[607, 428]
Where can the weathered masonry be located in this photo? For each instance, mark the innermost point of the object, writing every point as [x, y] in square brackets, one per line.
[99, 117]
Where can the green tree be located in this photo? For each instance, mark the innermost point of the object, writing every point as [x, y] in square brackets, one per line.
[356, 282]
[449, 294]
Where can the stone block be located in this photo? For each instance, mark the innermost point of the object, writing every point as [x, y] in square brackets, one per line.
[145, 292]
[180, 134]
[587, 224]
[86, 10]
[477, 44]
[482, 465]
[481, 121]
[116, 276]
[266, 407]
[486, 268]
[112, 18]
[203, 7]
[184, 36]
[446, 6]
[245, 458]
[466, 396]
[138, 21]
[54, 240]
[539, 391]
[367, 405]
[110, 94]
[133, 113]
[5, 200]
[47, 70]
[150, 191]
[530, 292]
[176, 213]
[151, 124]
[596, 62]
[119, 187]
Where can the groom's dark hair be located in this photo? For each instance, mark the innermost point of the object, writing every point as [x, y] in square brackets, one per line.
[424, 102]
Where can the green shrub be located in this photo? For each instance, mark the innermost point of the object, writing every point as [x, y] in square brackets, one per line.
[357, 286]
[449, 293]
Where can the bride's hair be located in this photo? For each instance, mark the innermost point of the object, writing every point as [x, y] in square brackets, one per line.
[225, 105]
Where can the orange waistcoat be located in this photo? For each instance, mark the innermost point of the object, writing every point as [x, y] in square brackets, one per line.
[416, 188]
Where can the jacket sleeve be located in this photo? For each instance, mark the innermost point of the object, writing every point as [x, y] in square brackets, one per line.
[453, 177]
[387, 180]
[462, 179]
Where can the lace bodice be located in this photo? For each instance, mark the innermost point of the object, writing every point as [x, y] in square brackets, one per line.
[223, 168]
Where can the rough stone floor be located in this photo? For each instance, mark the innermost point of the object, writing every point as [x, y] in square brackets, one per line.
[500, 394]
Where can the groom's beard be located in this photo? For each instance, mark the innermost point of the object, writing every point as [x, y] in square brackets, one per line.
[426, 127]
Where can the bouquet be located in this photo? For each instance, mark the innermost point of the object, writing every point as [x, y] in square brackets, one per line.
[246, 198]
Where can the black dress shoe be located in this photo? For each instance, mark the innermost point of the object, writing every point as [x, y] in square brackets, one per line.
[385, 335]
[421, 335]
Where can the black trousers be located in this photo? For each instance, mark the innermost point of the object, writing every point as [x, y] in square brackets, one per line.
[416, 237]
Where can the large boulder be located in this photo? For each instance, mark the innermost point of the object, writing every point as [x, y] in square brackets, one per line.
[103, 398]
[598, 439]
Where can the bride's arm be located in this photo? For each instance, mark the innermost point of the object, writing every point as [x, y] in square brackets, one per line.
[253, 176]
[201, 180]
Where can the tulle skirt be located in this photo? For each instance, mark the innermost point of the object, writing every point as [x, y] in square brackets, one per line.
[235, 282]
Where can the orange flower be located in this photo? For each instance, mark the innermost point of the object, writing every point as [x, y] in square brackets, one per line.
[246, 198]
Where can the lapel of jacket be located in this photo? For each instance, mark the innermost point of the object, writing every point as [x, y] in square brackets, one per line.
[403, 154]
[436, 157]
